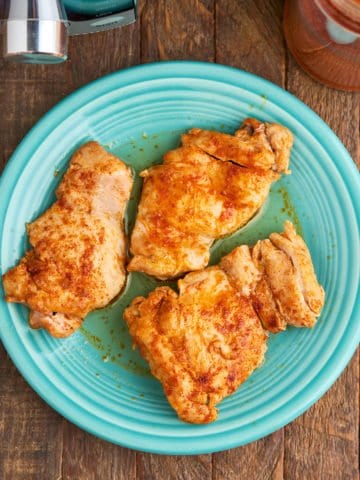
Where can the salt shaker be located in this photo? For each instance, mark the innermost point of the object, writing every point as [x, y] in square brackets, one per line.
[36, 31]
[324, 38]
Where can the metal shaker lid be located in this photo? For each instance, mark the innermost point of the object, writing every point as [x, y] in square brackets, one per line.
[36, 31]
[36, 41]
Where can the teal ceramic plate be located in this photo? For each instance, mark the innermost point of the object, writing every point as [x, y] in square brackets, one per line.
[94, 378]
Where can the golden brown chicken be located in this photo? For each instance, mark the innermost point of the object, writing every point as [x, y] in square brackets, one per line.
[201, 344]
[284, 290]
[206, 189]
[77, 261]
[205, 341]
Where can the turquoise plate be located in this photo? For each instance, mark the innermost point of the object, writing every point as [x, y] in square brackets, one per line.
[94, 378]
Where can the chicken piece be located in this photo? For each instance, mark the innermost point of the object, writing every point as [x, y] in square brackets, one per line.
[241, 270]
[263, 297]
[255, 144]
[286, 290]
[194, 198]
[243, 267]
[285, 287]
[295, 248]
[201, 344]
[205, 341]
[77, 261]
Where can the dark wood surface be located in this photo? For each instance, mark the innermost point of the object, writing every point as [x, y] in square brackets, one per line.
[36, 442]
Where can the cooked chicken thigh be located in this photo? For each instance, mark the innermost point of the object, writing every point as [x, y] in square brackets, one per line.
[294, 297]
[77, 261]
[201, 344]
[255, 145]
[205, 341]
[206, 189]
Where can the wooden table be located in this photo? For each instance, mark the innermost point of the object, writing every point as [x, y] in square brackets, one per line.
[37, 443]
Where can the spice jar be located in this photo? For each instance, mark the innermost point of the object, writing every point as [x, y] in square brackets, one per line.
[324, 38]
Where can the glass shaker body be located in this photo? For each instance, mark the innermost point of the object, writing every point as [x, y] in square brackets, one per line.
[324, 38]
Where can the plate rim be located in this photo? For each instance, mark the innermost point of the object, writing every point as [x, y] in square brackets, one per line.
[200, 70]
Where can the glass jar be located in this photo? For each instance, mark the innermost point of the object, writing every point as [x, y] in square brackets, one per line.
[324, 38]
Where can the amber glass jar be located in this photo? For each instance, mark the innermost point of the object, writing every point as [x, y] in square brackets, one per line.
[324, 38]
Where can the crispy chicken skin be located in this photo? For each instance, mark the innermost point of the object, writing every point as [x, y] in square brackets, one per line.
[285, 289]
[205, 341]
[295, 248]
[254, 145]
[204, 190]
[201, 344]
[78, 253]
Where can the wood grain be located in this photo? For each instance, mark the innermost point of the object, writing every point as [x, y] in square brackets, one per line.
[26, 93]
[92, 56]
[164, 467]
[249, 36]
[30, 431]
[88, 458]
[173, 30]
[261, 460]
